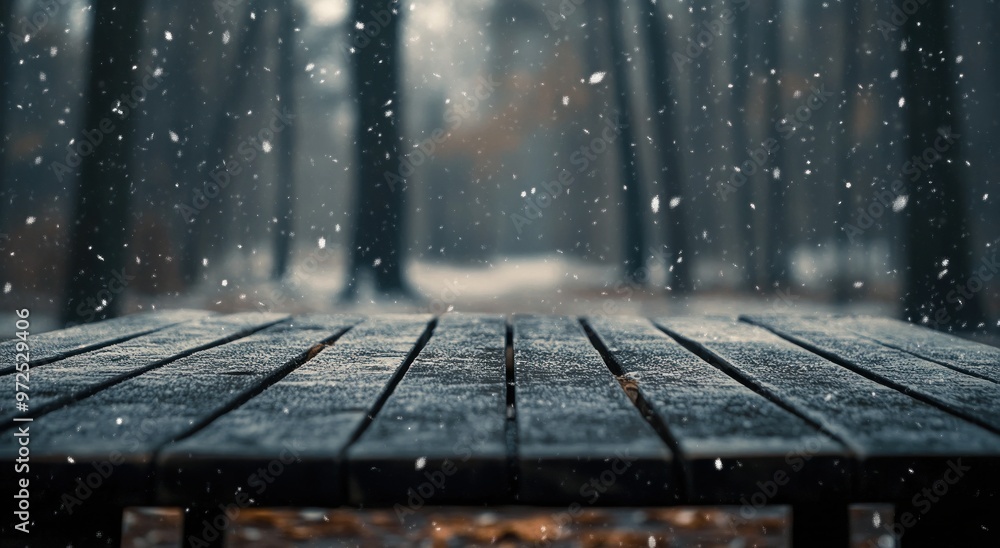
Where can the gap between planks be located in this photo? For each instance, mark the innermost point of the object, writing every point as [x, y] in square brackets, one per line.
[265, 383]
[874, 377]
[705, 354]
[645, 407]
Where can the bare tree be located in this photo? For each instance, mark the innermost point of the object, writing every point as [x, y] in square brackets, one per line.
[740, 72]
[284, 208]
[100, 226]
[668, 145]
[775, 185]
[377, 244]
[938, 251]
[634, 244]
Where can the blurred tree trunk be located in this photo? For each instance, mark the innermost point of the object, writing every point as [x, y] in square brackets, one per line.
[6, 29]
[377, 238]
[940, 267]
[671, 164]
[284, 208]
[634, 244]
[202, 238]
[853, 34]
[740, 78]
[779, 242]
[99, 229]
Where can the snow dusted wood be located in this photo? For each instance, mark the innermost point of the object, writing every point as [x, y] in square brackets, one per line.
[962, 355]
[56, 345]
[580, 440]
[972, 398]
[285, 445]
[119, 428]
[729, 437]
[77, 377]
[899, 442]
[441, 436]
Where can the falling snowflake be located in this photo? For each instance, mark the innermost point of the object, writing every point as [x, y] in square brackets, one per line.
[899, 204]
[322, 243]
[597, 77]
[655, 204]
[902, 101]
[173, 136]
[675, 201]
[29, 221]
[168, 35]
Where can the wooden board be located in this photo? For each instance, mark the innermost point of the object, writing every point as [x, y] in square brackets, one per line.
[900, 442]
[441, 437]
[962, 355]
[286, 444]
[729, 437]
[56, 345]
[117, 431]
[973, 398]
[580, 440]
[76, 377]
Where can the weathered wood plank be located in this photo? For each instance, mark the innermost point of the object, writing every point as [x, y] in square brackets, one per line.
[899, 441]
[76, 377]
[962, 355]
[118, 429]
[730, 438]
[441, 436]
[580, 439]
[972, 398]
[56, 345]
[285, 445]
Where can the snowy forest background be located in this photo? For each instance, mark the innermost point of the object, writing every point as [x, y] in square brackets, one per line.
[762, 145]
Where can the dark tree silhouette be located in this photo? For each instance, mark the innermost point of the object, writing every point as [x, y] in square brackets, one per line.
[377, 246]
[7, 31]
[938, 250]
[671, 165]
[284, 208]
[775, 188]
[100, 226]
[845, 141]
[740, 79]
[634, 244]
[201, 235]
